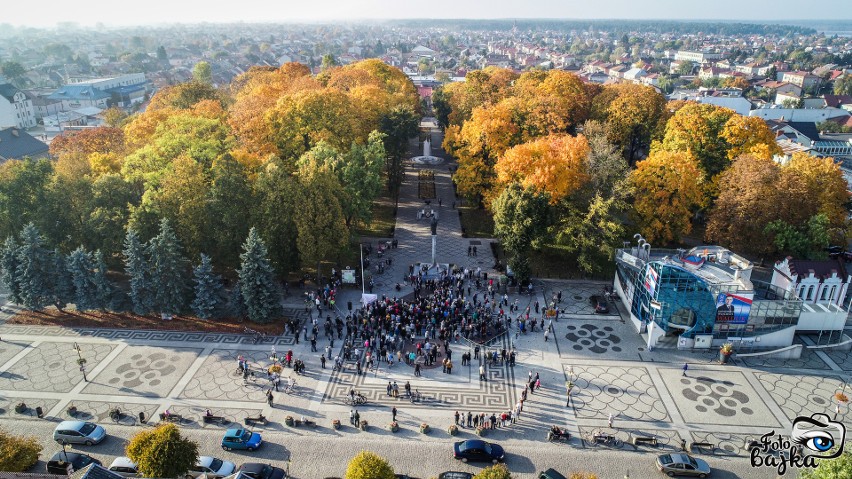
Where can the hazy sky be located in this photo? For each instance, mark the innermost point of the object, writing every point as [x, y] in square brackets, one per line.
[48, 12]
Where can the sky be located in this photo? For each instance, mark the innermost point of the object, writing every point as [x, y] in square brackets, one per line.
[110, 12]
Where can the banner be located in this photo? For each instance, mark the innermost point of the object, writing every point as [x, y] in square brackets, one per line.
[348, 276]
[651, 277]
[733, 308]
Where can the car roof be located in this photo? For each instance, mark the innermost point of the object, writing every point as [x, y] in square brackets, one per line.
[680, 458]
[75, 425]
[123, 461]
[204, 461]
[61, 455]
[252, 467]
[471, 443]
[234, 432]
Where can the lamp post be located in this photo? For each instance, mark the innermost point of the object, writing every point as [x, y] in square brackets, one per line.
[81, 361]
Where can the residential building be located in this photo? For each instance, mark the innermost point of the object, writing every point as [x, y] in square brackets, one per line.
[16, 109]
[815, 282]
[16, 144]
[123, 90]
[801, 79]
[697, 57]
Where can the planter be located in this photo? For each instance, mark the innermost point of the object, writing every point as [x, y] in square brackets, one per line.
[72, 411]
[393, 427]
[289, 421]
[453, 430]
[21, 408]
[480, 431]
[424, 428]
[724, 357]
[335, 424]
[81, 361]
[363, 425]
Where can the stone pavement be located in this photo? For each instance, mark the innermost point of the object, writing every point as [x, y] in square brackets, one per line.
[612, 374]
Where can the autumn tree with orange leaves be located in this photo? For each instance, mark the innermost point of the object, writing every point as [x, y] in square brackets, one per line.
[552, 164]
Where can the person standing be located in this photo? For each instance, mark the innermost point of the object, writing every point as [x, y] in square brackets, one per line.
[482, 372]
[609, 420]
[313, 344]
[469, 419]
[457, 418]
[352, 417]
[449, 367]
[357, 419]
[393, 414]
[269, 397]
[417, 370]
[322, 360]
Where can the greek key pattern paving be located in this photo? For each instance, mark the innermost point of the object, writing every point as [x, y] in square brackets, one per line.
[625, 392]
[799, 395]
[52, 367]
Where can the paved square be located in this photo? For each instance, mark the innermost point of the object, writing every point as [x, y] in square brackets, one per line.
[8, 349]
[717, 397]
[52, 367]
[143, 371]
[799, 395]
[627, 393]
[217, 378]
[603, 338]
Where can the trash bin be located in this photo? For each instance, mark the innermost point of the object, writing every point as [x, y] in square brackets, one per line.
[142, 417]
[39, 411]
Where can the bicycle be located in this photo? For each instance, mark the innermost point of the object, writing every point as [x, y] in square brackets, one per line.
[415, 397]
[599, 437]
[291, 386]
[356, 400]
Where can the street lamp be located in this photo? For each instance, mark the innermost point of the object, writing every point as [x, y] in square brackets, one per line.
[81, 361]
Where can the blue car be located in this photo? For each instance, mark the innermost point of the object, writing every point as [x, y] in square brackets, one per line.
[478, 451]
[241, 439]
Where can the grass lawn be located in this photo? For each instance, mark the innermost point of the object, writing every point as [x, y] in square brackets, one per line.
[475, 222]
[383, 219]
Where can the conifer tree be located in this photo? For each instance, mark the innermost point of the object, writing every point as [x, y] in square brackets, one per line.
[82, 277]
[236, 306]
[136, 267]
[257, 281]
[33, 271]
[62, 290]
[167, 267]
[208, 288]
[9, 269]
[103, 288]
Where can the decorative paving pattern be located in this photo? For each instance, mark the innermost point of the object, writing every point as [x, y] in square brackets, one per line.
[143, 371]
[192, 417]
[727, 443]
[218, 380]
[841, 358]
[808, 360]
[627, 393]
[7, 407]
[717, 397]
[799, 395]
[575, 298]
[603, 339]
[8, 349]
[52, 367]
[98, 412]
[593, 338]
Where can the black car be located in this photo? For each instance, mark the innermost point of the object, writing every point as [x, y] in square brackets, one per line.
[478, 451]
[455, 475]
[63, 463]
[257, 470]
[599, 303]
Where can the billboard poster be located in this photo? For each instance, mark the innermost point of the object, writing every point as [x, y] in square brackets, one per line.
[348, 276]
[651, 277]
[733, 308]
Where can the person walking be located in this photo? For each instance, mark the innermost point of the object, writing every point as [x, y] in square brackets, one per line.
[482, 372]
[269, 397]
[389, 388]
[322, 360]
[685, 368]
[609, 420]
[457, 418]
[449, 367]
[546, 334]
[352, 417]
[393, 414]
[417, 370]
[313, 344]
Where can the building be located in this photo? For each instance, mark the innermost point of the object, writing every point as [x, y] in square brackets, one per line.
[804, 80]
[124, 91]
[705, 297]
[16, 109]
[820, 285]
[697, 57]
[16, 144]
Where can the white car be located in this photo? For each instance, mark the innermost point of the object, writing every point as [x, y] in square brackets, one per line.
[211, 466]
[124, 466]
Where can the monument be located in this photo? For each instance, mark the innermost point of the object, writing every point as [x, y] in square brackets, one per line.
[432, 270]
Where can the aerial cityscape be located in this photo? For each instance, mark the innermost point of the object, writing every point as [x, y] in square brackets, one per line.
[456, 240]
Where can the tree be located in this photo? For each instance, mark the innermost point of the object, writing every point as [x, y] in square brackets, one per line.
[136, 267]
[33, 270]
[697, 128]
[167, 267]
[399, 125]
[82, 277]
[276, 192]
[162, 452]
[229, 204]
[18, 453]
[520, 218]
[103, 288]
[551, 165]
[9, 269]
[809, 242]
[497, 471]
[161, 54]
[202, 73]
[669, 187]
[368, 465]
[843, 85]
[319, 217]
[749, 135]
[114, 117]
[836, 468]
[24, 194]
[825, 184]
[61, 288]
[258, 289]
[634, 115]
[592, 234]
[14, 71]
[208, 289]
[328, 61]
[110, 202]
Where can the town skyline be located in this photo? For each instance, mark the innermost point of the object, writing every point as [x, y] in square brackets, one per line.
[194, 11]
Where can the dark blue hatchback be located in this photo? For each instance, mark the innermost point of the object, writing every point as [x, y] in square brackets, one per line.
[475, 450]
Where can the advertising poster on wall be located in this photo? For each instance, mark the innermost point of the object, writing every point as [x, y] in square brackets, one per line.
[651, 277]
[733, 308]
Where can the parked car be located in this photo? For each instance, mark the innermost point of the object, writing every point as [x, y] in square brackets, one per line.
[241, 439]
[478, 451]
[63, 463]
[550, 474]
[599, 303]
[78, 432]
[455, 475]
[257, 470]
[212, 467]
[124, 467]
[682, 465]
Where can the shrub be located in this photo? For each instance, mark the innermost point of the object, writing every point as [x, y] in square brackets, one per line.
[582, 475]
[497, 471]
[368, 465]
[18, 453]
[162, 452]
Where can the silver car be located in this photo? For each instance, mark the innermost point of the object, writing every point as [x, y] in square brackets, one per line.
[78, 432]
[682, 465]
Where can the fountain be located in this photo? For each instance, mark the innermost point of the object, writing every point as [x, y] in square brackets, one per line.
[427, 158]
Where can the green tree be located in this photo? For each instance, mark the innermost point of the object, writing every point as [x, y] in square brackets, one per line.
[208, 289]
[82, 277]
[368, 465]
[807, 242]
[162, 452]
[258, 289]
[837, 468]
[161, 54]
[14, 71]
[24, 194]
[18, 453]
[399, 125]
[136, 267]
[274, 212]
[520, 218]
[591, 234]
[34, 264]
[843, 85]
[202, 73]
[319, 218]
[167, 266]
[230, 202]
[328, 61]
[103, 287]
[9, 269]
[497, 471]
[111, 200]
[61, 288]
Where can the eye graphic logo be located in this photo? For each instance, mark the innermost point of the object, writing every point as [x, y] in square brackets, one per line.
[818, 435]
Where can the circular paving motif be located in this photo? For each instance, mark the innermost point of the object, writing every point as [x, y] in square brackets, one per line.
[593, 338]
[718, 396]
[626, 392]
[144, 369]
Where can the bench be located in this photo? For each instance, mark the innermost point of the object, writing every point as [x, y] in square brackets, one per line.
[639, 440]
[702, 445]
[254, 420]
[212, 419]
[171, 417]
